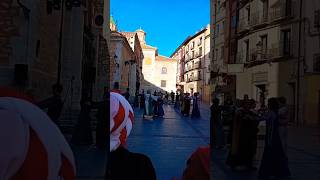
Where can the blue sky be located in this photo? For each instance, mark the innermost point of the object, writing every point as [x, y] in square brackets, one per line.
[167, 22]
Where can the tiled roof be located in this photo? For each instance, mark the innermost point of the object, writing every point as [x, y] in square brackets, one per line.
[145, 46]
[128, 34]
[164, 58]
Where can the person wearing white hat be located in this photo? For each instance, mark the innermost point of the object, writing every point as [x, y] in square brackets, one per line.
[124, 164]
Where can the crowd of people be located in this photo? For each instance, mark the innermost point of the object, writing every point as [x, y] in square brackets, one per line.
[241, 122]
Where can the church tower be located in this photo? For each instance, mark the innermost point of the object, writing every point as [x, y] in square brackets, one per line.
[141, 35]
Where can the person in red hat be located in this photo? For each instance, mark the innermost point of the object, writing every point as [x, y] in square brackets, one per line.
[32, 147]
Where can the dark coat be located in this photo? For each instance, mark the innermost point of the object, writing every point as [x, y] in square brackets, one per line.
[124, 165]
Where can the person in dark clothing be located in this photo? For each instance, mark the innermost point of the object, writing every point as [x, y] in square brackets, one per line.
[217, 126]
[195, 107]
[172, 96]
[244, 140]
[274, 160]
[123, 164]
[187, 104]
[127, 94]
[53, 104]
[228, 116]
[142, 100]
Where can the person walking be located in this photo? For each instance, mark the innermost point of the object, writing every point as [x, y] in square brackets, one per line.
[127, 94]
[187, 105]
[142, 100]
[274, 160]
[217, 129]
[172, 97]
[283, 122]
[195, 107]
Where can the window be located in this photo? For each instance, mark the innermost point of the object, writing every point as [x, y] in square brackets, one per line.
[248, 13]
[286, 42]
[222, 52]
[164, 70]
[316, 63]
[200, 51]
[223, 26]
[163, 83]
[247, 50]
[218, 29]
[200, 42]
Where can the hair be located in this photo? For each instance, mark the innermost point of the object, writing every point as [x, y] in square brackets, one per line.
[273, 104]
[116, 85]
[215, 101]
[282, 100]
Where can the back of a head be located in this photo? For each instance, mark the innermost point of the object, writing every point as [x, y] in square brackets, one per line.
[282, 100]
[273, 104]
[116, 85]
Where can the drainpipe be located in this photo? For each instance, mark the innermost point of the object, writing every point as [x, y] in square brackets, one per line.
[298, 67]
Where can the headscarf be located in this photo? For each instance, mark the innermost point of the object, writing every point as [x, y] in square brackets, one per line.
[32, 147]
[121, 120]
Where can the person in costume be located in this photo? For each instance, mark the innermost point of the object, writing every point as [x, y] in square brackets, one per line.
[195, 108]
[124, 164]
[274, 160]
[32, 146]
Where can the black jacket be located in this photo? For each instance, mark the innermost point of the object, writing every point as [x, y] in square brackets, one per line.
[125, 165]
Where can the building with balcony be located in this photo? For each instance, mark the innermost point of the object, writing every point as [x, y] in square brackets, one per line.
[223, 63]
[278, 48]
[192, 66]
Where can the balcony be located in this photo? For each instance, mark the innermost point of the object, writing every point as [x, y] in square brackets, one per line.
[191, 68]
[258, 19]
[243, 25]
[277, 50]
[282, 11]
[194, 78]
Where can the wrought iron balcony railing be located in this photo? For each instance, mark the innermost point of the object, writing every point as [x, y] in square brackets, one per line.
[283, 10]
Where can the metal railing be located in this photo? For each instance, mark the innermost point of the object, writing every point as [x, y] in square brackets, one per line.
[283, 11]
[277, 50]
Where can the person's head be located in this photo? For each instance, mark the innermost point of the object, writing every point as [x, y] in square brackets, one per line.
[105, 89]
[282, 101]
[215, 101]
[246, 97]
[116, 85]
[57, 89]
[121, 120]
[273, 104]
[128, 89]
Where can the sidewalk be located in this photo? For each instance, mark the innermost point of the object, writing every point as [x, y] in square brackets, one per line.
[169, 141]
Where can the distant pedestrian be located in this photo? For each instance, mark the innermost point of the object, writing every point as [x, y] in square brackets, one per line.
[172, 96]
[166, 97]
[228, 114]
[116, 88]
[274, 161]
[53, 104]
[122, 163]
[127, 94]
[283, 122]
[177, 102]
[195, 107]
[217, 126]
[187, 105]
[142, 100]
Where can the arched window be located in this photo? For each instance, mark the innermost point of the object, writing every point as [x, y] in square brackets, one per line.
[164, 70]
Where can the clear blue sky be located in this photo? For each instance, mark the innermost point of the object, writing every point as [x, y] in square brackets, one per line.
[167, 22]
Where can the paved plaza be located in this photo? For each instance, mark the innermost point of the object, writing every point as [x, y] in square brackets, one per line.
[168, 141]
